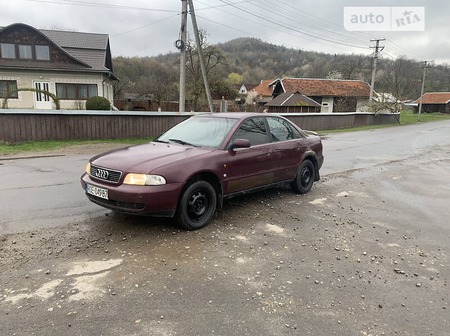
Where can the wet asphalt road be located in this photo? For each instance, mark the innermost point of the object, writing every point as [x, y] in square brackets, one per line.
[366, 252]
[47, 189]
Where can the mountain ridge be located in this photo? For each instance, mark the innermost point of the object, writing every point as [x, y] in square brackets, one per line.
[256, 60]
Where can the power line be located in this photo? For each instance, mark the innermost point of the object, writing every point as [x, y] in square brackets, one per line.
[329, 27]
[145, 26]
[101, 5]
[283, 19]
[290, 28]
[401, 50]
[318, 25]
[268, 39]
[222, 5]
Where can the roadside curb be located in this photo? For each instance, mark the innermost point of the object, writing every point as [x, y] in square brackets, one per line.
[9, 158]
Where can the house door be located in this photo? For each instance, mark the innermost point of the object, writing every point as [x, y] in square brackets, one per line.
[41, 100]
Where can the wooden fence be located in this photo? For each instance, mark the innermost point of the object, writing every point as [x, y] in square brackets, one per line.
[34, 125]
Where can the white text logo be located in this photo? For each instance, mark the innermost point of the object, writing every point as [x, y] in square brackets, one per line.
[384, 18]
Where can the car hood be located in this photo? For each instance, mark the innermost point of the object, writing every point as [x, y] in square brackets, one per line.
[145, 158]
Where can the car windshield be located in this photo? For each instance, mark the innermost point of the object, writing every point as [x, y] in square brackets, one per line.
[200, 131]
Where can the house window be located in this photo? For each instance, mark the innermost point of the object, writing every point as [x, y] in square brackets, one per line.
[42, 53]
[7, 50]
[25, 51]
[8, 86]
[76, 91]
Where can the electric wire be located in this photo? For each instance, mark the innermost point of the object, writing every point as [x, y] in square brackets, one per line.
[291, 28]
[302, 23]
[101, 5]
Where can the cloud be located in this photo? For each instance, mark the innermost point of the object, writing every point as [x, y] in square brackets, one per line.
[149, 28]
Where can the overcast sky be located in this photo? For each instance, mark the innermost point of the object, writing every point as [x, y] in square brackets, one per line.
[150, 27]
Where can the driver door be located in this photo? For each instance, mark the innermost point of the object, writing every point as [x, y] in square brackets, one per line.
[249, 168]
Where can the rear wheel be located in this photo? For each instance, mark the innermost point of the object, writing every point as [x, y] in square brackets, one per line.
[197, 206]
[304, 179]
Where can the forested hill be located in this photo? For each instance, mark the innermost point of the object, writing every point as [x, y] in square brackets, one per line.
[257, 60]
[254, 60]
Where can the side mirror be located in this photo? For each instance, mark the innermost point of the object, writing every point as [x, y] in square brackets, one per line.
[240, 143]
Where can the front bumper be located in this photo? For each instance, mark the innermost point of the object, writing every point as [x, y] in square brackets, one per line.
[140, 200]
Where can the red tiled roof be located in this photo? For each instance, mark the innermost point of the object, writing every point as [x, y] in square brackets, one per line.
[314, 87]
[264, 89]
[327, 87]
[435, 98]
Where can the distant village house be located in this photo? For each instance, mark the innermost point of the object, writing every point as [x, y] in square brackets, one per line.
[332, 95]
[292, 103]
[435, 102]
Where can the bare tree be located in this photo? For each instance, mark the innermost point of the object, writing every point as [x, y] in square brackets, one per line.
[402, 79]
[161, 87]
[147, 78]
[349, 67]
[214, 61]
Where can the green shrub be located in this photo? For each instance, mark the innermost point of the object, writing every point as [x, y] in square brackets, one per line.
[98, 103]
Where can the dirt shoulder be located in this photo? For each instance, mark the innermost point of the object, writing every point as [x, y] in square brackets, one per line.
[352, 257]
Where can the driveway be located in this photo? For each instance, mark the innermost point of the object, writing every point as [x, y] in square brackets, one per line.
[366, 252]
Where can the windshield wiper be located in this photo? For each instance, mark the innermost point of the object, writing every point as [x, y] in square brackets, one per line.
[160, 141]
[181, 142]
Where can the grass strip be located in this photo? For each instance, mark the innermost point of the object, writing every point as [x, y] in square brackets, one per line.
[43, 146]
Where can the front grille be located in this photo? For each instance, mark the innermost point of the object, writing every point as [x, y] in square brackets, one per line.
[105, 174]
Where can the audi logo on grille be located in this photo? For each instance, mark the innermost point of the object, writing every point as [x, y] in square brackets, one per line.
[101, 173]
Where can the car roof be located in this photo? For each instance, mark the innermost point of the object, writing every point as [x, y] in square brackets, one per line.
[235, 115]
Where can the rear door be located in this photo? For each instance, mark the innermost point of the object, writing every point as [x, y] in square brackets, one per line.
[287, 148]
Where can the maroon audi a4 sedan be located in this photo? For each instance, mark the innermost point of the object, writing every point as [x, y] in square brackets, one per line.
[189, 170]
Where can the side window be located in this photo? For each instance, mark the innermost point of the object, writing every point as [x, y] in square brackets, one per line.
[254, 130]
[7, 50]
[280, 130]
[42, 52]
[25, 51]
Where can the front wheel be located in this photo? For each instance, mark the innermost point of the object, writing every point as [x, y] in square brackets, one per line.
[304, 179]
[197, 206]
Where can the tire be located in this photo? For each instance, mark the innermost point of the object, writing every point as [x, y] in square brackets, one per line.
[197, 206]
[304, 179]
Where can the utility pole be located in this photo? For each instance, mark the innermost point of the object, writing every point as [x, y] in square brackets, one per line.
[426, 64]
[378, 48]
[181, 45]
[200, 56]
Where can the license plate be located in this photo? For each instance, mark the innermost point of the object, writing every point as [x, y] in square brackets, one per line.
[96, 191]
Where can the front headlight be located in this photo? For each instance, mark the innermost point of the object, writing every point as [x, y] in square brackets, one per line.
[143, 179]
[88, 168]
